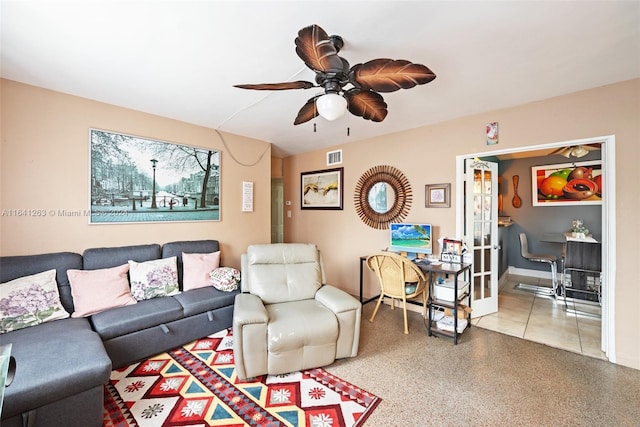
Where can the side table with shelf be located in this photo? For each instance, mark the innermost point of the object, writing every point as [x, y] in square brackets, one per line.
[446, 269]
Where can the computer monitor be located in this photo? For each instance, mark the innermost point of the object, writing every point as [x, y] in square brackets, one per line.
[410, 238]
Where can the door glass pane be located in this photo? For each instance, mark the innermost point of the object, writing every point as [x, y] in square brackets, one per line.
[477, 234]
[477, 288]
[487, 208]
[487, 234]
[477, 182]
[487, 286]
[487, 182]
[477, 265]
[487, 259]
[477, 207]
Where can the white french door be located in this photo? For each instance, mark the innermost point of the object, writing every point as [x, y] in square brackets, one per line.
[481, 233]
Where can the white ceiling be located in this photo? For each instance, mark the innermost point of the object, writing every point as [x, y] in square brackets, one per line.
[180, 59]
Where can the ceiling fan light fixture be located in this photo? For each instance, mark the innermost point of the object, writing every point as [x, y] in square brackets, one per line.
[579, 151]
[331, 106]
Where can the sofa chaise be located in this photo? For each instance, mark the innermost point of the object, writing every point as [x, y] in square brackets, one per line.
[62, 365]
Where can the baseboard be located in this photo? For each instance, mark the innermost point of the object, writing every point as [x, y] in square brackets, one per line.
[527, 272]
[503, 279]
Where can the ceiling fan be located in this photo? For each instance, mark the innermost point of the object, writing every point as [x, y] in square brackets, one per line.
[354, 88]
[575, 150]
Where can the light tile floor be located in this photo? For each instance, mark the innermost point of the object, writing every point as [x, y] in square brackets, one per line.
[540, 318]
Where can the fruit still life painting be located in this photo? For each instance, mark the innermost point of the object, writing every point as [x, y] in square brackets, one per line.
[568, 183]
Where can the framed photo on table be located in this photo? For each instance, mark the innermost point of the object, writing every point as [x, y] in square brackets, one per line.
[437, 196]
[322, 189]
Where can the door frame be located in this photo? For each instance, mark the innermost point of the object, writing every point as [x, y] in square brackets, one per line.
[608, 341]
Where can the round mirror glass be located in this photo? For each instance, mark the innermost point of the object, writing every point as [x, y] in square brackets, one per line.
[381, 197]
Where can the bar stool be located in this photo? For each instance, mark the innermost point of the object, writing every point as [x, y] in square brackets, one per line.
[548, 259]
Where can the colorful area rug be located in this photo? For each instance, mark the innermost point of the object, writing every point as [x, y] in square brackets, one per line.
[196, 385]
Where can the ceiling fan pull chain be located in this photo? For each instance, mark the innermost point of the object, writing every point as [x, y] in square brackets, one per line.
[348, 130]
[314, 128]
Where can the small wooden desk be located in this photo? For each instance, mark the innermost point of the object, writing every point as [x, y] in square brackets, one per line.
[363, 259]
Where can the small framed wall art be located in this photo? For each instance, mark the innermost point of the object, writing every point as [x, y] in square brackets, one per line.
[492, 133]
[322, 189]
[438, 195]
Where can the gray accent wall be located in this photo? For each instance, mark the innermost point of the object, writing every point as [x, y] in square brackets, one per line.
[538, 221]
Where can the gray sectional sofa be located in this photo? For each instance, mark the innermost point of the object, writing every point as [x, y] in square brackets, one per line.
[62, 365]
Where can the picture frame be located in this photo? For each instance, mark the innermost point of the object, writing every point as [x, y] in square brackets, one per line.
[492, 133]
[452, 246]
[129, 173]
[437, 195]
[452, 250]
[322, 189]
[559, 185]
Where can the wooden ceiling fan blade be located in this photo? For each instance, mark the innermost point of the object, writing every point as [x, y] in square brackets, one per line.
[318, 52]
[389, 75]
[366, 104]
[300, 84]
[308, 111]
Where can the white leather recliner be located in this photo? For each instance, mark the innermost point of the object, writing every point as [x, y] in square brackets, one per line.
[286, 319]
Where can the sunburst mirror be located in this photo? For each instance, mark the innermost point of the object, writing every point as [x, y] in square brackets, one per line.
[382, 195]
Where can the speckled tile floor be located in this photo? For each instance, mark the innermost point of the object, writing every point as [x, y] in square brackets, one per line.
[488, 379]
[543, 319]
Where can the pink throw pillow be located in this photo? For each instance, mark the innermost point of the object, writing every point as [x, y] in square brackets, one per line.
[196, 269]
[98, 290]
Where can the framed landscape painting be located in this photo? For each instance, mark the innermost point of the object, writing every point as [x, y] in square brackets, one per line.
[136, 179]
[580, 183]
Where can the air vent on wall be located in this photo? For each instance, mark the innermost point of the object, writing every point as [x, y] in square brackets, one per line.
[334, 157]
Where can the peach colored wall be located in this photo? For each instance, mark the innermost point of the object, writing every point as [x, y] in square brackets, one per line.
[44, 165]
[427, 155]
[276, 167]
